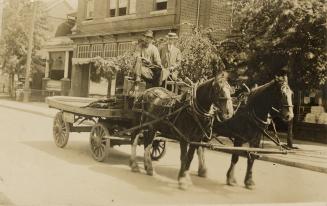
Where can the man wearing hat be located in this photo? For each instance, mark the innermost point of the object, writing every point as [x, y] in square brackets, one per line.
[148, 63]
[170, 57]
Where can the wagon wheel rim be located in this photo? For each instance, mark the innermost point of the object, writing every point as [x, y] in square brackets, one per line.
[60, 130]
[99, 141]
[158, 149]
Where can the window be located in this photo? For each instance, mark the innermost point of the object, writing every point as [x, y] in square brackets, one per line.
[161, 4]
[89, 9]
[112, 8]
[121, 7]
[110, 50]
[57, 61]
[132, 6]
[83, 51]
[125, 47]
[97, 50]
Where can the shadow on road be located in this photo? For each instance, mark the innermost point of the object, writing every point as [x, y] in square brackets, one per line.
[4, 200]
[117, 165]
[78, 152]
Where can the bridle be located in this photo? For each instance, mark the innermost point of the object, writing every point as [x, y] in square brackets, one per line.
[200, 112]
[217, 109]
[284, 85]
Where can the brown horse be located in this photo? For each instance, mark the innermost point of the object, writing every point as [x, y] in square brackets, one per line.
[189, 118]
[249, 123]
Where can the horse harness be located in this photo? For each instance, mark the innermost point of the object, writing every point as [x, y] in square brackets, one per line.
[193, 108]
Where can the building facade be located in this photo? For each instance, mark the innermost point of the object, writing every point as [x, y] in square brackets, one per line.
[108, 28]
[58, 50]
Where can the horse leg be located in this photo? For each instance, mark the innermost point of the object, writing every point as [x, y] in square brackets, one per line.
[202, 170]
[184, 180]
[248, 181]
[230, 173]
[132, 162]
[148, 138]
[190, 155]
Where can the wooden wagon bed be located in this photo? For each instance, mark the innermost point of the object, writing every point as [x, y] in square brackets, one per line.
[79, 106]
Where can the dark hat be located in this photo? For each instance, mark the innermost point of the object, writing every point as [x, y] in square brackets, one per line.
[148, 33]
[282, 71]
[172, 35]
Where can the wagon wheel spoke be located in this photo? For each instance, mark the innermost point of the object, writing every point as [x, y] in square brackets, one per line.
[60, 130]
[158, 149]
[153, 153]
[99, 142]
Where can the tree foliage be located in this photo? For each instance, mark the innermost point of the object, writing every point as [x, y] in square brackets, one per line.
[197, 55]
[14, 39]
[272, 31]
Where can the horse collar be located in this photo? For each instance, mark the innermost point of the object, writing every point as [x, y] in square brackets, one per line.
[195, 106]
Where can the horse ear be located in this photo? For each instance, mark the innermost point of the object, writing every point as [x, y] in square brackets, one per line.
[281, 79]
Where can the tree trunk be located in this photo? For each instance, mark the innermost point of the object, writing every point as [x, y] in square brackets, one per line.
[290, 134]
[109, 86]
[11, 89]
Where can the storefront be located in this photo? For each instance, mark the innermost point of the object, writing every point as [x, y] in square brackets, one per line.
[311, 115]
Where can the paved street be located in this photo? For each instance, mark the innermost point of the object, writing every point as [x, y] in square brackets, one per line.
[33, 171]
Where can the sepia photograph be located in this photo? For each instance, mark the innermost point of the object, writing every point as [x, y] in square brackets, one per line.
[163, 102]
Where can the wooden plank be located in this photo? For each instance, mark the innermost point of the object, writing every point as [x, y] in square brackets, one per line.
[69, 104]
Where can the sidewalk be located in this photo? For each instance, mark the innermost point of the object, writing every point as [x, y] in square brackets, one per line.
[310, 155]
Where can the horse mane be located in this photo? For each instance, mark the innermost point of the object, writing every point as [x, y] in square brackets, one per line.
[258, 90]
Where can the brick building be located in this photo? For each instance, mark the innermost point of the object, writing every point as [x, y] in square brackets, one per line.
[108, 28]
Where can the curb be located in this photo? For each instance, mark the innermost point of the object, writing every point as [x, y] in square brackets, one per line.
[27, 110]
[293, 164]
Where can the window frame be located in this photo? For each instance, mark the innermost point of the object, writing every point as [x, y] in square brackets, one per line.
[155, 3]
[117, 13]
[87, 16]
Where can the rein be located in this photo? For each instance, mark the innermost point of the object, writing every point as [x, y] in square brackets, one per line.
[264, 127]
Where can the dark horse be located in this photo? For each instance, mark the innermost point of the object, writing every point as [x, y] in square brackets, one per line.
[249, 123]
[190, 120]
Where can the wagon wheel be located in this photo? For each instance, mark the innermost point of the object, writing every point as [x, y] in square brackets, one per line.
[99, 141]
[61, 130]
[158, 149]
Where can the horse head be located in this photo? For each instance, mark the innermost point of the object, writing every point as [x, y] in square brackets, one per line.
[285, 105]
[222, 99]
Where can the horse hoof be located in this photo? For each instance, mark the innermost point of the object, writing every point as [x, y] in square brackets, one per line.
[150, 172]
[249, 185]
[134, 166]
[135, 169]
[231, 182]
[183, 183]
[202, 173]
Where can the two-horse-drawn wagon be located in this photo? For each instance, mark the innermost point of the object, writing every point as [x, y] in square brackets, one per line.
[188, 119]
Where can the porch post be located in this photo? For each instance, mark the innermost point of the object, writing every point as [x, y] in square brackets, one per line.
[46, 74]
[65, 82]
[47, 66]
[66, 64]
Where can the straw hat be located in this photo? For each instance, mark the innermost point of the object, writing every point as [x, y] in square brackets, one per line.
[172, 35]
[148, 33]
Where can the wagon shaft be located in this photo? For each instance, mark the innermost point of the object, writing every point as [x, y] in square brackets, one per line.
[239, 149]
